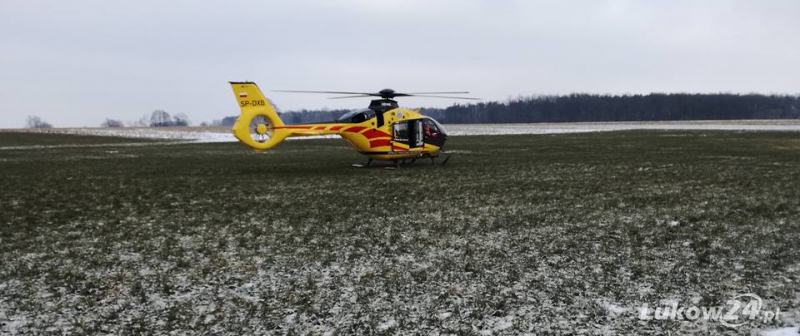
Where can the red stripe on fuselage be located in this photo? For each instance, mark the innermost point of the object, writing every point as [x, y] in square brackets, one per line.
[355, 129]
[379, 143]
[292, 127]
[373, 133]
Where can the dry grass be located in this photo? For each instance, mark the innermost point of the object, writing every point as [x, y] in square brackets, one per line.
[517, 234]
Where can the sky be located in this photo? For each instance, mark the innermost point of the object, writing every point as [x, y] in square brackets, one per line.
[76, 63]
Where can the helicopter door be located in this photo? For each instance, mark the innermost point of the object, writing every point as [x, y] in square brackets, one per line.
[417, 139]
[408, 132]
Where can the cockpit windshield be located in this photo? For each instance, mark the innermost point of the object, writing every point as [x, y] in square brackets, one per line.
[356, 116]
[436, 124]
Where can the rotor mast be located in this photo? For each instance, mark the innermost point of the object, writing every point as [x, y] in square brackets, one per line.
[383, 105]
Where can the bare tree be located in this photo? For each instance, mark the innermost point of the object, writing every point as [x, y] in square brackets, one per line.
[112, 123]
[37, 122]
[180, 119]
[160, 118]
[144, 121]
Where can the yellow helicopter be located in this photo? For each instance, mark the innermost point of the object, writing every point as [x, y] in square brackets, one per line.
[384, 131]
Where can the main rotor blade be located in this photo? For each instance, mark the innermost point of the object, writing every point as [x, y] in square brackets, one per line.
[384, 95]
[415, 93]
[447, 97]
[327, 92]
[356, 96]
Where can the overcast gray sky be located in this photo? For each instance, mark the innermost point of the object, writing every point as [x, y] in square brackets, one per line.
[74, 63]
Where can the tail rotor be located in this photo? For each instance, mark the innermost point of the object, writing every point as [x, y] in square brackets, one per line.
[261, 130]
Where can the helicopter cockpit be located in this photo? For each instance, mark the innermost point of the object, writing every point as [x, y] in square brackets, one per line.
[356, 116]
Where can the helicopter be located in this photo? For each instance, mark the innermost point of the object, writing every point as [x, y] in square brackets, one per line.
[383, 131]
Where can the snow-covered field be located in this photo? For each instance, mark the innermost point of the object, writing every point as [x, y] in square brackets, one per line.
[194, 134]
[556, 128]
[555, 235]
[222, 134]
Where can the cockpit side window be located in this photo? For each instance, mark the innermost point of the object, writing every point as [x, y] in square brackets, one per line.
[361, 117]
[357, 116]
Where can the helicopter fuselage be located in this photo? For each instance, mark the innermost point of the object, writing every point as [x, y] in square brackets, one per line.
[385, 131]
[404, 134]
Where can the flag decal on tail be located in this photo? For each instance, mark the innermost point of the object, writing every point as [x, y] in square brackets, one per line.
[242, 94]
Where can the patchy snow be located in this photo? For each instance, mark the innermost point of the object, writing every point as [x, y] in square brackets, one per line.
[387, 325]
[185, 133]
[780, 332]
[585, 127]
[504, 323]
[316, 274]
[613, 308]
[126, 144]
[669, 302]
[222, 134]
[498, 324]
[290, 318]
[15, 325]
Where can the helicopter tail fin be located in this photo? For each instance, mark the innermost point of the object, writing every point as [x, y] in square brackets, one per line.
[259, 125]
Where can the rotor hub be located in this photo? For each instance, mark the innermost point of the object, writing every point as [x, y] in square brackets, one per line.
[387, 93]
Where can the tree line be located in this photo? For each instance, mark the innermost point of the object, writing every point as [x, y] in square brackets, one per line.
[533, 109]
[159, 118]
[594, 108]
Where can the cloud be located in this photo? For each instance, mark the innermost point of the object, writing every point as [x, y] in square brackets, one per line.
[98, 59]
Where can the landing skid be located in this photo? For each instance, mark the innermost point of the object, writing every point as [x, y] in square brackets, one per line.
[447, 158]
[396, 164]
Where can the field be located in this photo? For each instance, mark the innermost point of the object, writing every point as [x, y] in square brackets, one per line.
[545, 234]
[223, 133]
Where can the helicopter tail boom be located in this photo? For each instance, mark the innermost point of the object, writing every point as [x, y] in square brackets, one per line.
[267, 130]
